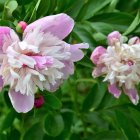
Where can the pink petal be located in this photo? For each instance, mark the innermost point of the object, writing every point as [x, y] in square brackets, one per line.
[132, 94]
[53, 88]
[76, 53]
[1, 82]
[97, 53]
[113, 89]
[114, 37]
[20, 102]
[59, 25]
[134, 40]
[98, 71]
[7, 36]
[43, 61]
[68, 69]
[4, 31]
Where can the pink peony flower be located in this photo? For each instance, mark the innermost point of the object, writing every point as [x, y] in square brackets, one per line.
[120, 65]
[40, 60]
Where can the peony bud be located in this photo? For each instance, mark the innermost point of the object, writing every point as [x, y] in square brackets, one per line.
[39, 101]
[21, 26]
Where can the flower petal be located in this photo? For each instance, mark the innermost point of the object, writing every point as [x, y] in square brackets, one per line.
[132, 94]
[76, 53]
[3, 32]
[113, 37]
[68, 69]
[59, 25]
[95, 56]
[20, 102]
[1, 82]
[98, 71]
[134, 40]
[113, 89]
[7, 36]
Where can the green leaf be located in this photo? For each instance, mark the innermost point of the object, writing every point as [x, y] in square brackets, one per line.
[54, 124]
[43, 8]
[84, 34]
[133, 25]
[3, 136]
[33, 15]
[14, 135]
[94, 97]
[8, 121]
[118, 21]
[135, 114]
[53, 101]
[126, 126]
[35, 133]
[11, 6]
[91, 8]
[108, 135]
[75, 8]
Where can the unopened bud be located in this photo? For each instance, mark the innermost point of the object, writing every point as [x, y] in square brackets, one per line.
[21, 26]
[39, 101]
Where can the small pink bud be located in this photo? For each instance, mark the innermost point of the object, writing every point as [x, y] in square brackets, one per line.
[113, 38]
[21, 26]
[39, 101]
[96, 54]
[134, 40]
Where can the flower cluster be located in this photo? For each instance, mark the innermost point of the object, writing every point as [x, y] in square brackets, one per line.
[120, 64]
[40, 60]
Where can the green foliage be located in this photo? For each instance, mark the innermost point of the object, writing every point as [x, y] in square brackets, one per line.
[82, 109]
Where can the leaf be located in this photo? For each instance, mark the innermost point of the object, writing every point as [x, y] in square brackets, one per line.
[135, 114]
[8, 121]
[43, 8]
[94, 97]
[126, 126]
[53, 101]
[3, 136]
[91, 8]
[35, 133]
[75, 8]
[14, 135]
[108, 135]
[133, 25]
[84, 33]
[118, 21]
[54, 124]
[33, 15]
[11, 6]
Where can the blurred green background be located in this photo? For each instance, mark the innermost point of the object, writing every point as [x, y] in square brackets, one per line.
[82, 109]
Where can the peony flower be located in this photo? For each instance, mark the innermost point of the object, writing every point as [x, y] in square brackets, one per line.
[120, 64]
[40, 60]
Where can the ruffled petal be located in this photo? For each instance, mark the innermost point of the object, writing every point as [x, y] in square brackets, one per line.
[1, 82]
[96, 54]
[68, 69]
[3, 32]
[134, 40]
[114, 37]
[98, 71]
[76, 53]
[7, 37]
[59, 25]
[133, 95]
[20, 102]
[113, 89]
